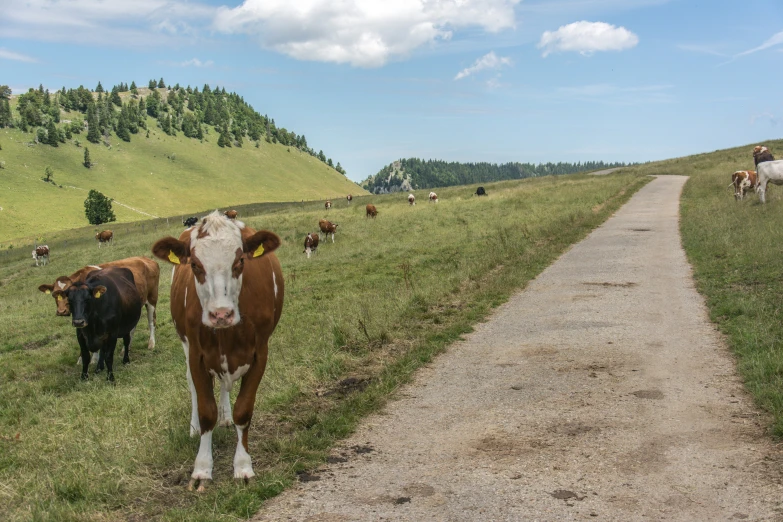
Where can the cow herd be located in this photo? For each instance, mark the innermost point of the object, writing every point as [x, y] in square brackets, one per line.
[226, 299]
[767, 171]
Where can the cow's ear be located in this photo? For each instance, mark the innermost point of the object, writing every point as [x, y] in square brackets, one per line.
[260, 243]
[98, 291]
[47, 289]
[171, 250]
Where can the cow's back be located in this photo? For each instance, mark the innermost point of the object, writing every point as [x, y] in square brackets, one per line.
[146, 276]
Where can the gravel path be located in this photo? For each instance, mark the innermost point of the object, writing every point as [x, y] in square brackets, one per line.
[600, 392]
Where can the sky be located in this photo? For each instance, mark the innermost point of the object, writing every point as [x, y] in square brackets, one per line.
[372, 81]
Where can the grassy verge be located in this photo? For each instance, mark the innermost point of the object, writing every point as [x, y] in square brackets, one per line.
[734, 248]
[360, 318]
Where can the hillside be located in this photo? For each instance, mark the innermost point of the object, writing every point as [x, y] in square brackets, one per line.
[155, 174]
[417, 174]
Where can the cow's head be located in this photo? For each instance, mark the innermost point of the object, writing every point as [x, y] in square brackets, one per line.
[81, 299]
[58, 291]
[216, 253]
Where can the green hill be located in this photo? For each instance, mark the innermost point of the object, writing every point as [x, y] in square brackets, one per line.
[155, 176]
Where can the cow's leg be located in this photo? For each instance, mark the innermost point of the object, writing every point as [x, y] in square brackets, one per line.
[195, 426]
[126, 340]
[207, 416]
[108, 354]
[243, 413]
[85, 355]
[224, 406]
[151, 321]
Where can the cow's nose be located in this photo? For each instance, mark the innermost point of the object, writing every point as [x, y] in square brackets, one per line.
[64, 313]
[221, 316]
[79, 323]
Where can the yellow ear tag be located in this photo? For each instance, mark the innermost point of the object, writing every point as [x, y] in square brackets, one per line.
[47, 292]
[173, 258]
[97, 295]
[259, 252]
[59, 298]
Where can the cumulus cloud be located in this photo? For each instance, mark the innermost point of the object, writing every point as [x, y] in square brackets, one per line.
[364, 33]
[587, 38]
[5, 54]
[488, 61]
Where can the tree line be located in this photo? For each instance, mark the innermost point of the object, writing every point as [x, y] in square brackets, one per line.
[423, 174]
[177, 110]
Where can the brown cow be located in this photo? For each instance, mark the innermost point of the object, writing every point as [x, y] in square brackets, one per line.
[328, 204]
[41, 253]
[761, 154]
[231, 214]
[106, 236]
[411, 199]
[433, 197]
[742, 181]
[371, 211]
[226, 300]
[146, 274]
[327, 227]
[349, 198]
[311, 243]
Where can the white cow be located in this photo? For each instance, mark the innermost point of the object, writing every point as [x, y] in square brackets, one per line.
[768, 172]
[411, 199]
[433, 197]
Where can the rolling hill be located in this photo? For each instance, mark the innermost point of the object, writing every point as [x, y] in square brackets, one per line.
[151, 176]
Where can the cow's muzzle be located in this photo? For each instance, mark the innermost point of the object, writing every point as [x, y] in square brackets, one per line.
[222, 317]
[79, 323]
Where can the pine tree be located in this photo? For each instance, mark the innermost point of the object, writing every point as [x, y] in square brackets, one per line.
[87, 163]
[97, 208]
[52, 134]
[224, 140]
[161, 83]
[152, 84]
[99, 88]
[133, 88]
[115, 97]
[93, 131]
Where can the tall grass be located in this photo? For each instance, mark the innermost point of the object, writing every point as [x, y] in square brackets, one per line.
[735, 249]
[387, 296]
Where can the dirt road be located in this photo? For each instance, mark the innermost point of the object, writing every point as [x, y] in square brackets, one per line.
[600, 392]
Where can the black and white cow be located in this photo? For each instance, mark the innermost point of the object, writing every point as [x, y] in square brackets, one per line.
[104, 307]
[189, 222]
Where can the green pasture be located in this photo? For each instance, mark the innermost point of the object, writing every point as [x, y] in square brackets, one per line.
[157, 176]
[387, 296]
[736, 249]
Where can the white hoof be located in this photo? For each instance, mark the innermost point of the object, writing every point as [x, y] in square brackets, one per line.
[243, 468]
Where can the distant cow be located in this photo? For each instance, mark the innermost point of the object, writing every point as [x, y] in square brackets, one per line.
[328, 204]
[480, 192]
[105, 307]
[41, 253]
[107, 236]
[226, 300]
[411, 199]
[433, 197]
[231, 214]
[761, 154]
[189, 222]
[146, 275]
[311, 243]
[327, 227]
[742, 181]
[371, 211]
[349, 198]
[768, 172]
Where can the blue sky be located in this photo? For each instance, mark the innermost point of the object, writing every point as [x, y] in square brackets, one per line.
[371, 81]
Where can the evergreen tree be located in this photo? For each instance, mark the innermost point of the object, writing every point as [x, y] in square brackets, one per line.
[152, 84]
[68, 134]
[6, 117]
[122, 130]
[99, 88]
[115, 97]
[97, 208]
[51, 134]
[161, 83]
[133, 88]
[93, 131]
[224, 140]
[87, 162]
[5, 92]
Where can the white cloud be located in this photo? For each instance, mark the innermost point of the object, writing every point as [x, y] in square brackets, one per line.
[195, 62]
[488, 61]
[587, 38]
[5, 54]
[775, 39]
[364, 33]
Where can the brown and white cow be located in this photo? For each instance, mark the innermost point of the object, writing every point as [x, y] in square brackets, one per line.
[146, 275]
[411, 199]
[371, 211]
[761, 154]
[433, 197]
[742, 181]
[106, 236]
[349, 197]
[231, 214]
[328, 204]
[226, 300]
[327, 227]
[311, 243]
[41, 253]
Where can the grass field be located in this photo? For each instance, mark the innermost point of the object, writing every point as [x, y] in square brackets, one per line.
[735, 249]
[160, 176]
[374, 306]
